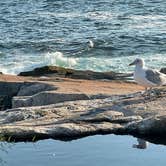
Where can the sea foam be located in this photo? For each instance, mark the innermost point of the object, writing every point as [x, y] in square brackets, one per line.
[58, 59]
[117, 64]
[25, 64]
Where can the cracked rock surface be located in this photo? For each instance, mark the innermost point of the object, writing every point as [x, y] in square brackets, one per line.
[126, 114]
[66, 109]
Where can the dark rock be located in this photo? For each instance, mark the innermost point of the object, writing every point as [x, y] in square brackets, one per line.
[5, 102]
[47, 70]
[31, 88]
[163, 70]
[151, 126]
[10, 89]
[76, 74]
[7, 91]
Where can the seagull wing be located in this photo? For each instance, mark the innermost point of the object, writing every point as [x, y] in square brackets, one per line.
[155, 77]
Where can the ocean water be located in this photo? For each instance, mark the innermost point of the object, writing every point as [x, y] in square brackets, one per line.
[97, 150]
[34, 33]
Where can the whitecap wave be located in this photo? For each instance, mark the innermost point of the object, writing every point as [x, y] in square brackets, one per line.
[58, 59]
[26, 63]
[117, 64]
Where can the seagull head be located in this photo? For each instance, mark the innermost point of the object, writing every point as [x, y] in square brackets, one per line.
[138, 62]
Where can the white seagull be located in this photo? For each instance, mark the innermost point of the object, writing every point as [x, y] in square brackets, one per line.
[146, 77]
[90, 44]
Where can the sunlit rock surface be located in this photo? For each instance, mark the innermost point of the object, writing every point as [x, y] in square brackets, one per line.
[62, 108]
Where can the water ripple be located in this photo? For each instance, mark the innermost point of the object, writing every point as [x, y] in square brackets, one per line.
[119, 29]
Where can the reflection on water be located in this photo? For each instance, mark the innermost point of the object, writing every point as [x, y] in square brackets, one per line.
[142, 144]
[4, 147]
[95, 150]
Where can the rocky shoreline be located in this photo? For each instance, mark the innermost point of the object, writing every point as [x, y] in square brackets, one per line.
[66, 104]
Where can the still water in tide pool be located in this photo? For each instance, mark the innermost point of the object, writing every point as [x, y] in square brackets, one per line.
[57, 32]
[96, 150]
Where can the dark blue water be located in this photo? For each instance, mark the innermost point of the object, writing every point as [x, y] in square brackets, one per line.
[97, 150]
[39, 32]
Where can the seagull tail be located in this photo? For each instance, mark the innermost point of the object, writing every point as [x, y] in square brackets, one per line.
[164, 84]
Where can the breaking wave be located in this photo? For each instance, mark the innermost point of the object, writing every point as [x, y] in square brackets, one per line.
[22, 63]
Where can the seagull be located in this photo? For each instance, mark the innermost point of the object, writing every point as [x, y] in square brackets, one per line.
[147, 77]
[90, 44]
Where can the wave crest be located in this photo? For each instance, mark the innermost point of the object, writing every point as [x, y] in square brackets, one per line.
[58, 59]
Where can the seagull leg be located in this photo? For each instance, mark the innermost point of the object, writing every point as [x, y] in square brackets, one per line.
[150, 93]
[145, 92]
[156, 92]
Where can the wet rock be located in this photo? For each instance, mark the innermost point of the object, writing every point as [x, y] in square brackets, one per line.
[47, 70]
[163, 70]
[76, 74]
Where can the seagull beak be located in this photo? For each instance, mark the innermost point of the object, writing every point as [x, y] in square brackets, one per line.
[133, 63]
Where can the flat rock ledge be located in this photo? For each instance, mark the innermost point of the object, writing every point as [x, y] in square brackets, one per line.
[132, 114]
[66, 104]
